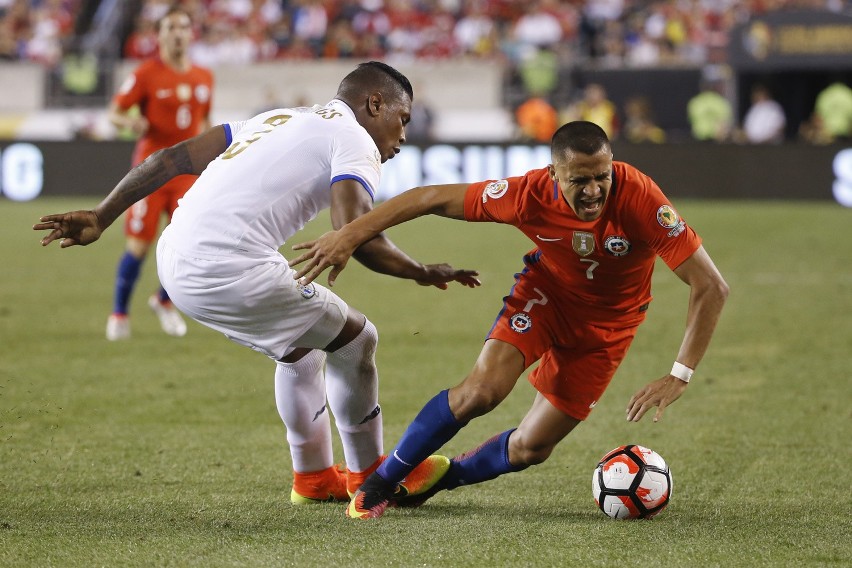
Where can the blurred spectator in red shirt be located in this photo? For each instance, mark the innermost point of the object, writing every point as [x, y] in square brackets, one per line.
[536, 120]
[142, 41]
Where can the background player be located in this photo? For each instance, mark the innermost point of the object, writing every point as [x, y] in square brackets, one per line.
[599, 226]
[263, 180]
[173, 99]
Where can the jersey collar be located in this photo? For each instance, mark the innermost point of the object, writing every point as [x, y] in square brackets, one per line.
[342, 107]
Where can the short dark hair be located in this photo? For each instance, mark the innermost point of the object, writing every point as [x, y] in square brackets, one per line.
[578, 136]
[371, 75]
[173, 9]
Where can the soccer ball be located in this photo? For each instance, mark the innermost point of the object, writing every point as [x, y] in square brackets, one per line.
[632, 482]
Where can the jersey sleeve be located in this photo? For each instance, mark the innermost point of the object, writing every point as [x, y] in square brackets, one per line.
[658, 222]
[497, 201]
[233, 128]
[132, 90]
[355, 156]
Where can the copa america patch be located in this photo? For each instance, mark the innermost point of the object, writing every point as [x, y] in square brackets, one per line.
[667, 217]
[308, 291]
[521, 322]
[617, 245]
[495, 190]
[679, 228]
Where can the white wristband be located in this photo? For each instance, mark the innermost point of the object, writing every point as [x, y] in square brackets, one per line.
[682, 372]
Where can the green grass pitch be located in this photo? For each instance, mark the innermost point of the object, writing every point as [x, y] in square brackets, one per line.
[169, 452]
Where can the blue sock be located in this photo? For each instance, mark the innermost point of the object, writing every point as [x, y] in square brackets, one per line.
[433, 427]
[489, 460]
[128, 272]
[163, 295]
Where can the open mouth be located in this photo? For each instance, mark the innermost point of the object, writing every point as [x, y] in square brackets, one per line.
[588, 207]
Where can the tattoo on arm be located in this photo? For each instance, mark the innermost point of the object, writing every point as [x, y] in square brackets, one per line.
[144, 179]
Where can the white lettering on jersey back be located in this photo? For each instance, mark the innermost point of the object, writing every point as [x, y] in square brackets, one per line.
[273, 179]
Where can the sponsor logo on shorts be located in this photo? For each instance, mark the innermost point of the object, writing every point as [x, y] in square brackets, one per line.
[308, 291]
[667, 217]
[521, 322]
[495, 190]
[617, 245]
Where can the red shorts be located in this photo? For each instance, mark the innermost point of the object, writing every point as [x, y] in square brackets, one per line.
[143, 218]
[578, 359]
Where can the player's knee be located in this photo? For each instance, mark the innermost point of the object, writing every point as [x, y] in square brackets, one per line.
[359, 352]
[358, 334]
[137, 247]
[370, 335]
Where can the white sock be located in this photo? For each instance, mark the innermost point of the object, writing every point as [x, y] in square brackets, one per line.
[300, 398]
[352, 382]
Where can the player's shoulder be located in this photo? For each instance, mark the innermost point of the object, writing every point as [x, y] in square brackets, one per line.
[629, 179]
[625, 170]
[536, 182]
[149, 66]
[203, 72]
[338, 117]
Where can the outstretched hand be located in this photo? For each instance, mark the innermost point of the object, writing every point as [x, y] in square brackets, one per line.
[659, 393]
[439, 275]
[326, 251]
[72, 228]
[332, 250]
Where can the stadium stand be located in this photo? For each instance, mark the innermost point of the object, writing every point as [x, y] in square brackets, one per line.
[477, 47]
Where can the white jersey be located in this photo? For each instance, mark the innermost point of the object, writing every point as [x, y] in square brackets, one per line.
[275, 176]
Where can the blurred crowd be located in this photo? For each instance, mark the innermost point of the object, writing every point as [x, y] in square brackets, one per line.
[536, 39]
[617, 32]
[36, 30]
[709, 113]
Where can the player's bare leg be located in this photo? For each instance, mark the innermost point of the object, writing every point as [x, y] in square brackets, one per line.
[494, 375]
[543, 427]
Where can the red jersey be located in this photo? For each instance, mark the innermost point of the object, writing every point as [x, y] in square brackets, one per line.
[176, 104]
[600, 270]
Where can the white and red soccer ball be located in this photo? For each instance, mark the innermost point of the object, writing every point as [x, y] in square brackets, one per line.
[632, 482]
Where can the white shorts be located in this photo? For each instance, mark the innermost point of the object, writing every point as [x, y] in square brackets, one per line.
[254, 301]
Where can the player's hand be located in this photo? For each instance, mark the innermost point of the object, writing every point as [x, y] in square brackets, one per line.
[438, 275]
[327, 251]
[139, 126]
[659, 393]
[73, 228]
